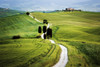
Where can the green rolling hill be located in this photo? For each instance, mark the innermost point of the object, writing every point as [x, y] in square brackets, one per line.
[79, 32]
[28, 50]
[22, 25]
[4, 12]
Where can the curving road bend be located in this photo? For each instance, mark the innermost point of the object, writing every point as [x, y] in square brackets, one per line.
[64, 54]
[63, 57]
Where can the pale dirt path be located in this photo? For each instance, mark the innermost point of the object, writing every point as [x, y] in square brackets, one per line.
[35, 18]
[64, 54]
[63, 57]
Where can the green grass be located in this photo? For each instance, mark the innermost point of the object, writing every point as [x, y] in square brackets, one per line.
[28, 51]
[21, 25]
[91, 50]
[79, 32]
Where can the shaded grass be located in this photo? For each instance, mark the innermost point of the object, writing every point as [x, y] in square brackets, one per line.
[91, 50]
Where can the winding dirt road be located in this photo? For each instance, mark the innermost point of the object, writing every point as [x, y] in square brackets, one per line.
[64, 54]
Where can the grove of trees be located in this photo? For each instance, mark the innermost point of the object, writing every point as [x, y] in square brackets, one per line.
[47, 31]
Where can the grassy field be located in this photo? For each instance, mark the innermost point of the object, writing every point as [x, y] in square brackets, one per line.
[17, 25]
[28, 51]
[79, 32]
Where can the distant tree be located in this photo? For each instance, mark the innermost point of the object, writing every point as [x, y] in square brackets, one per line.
[80, 10]
[44, 29]
[43, 11]
[44, 36]
[39, 29]
[27, 13]
[66, 9]
[44, 21]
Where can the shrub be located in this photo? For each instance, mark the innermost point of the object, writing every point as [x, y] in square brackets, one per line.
[16, 37]
[83, 42]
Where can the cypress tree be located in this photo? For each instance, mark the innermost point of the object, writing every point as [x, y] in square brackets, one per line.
[48, 31]
[51, 33]
[44, 29]
[44, 36]
[39, 29]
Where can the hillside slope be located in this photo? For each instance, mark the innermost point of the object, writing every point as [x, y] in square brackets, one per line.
[79, 32]
[4, 12]
[21, 25]
[28, 51]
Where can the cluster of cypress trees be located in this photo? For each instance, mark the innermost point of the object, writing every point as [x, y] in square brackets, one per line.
[46, 35]
[49, 30]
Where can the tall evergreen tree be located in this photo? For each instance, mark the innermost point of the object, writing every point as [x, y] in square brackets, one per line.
[39, 29]
[44, 29]
[44, 36]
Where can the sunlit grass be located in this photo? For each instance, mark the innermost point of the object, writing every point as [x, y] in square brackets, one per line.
[28, 50]
[75, 29]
